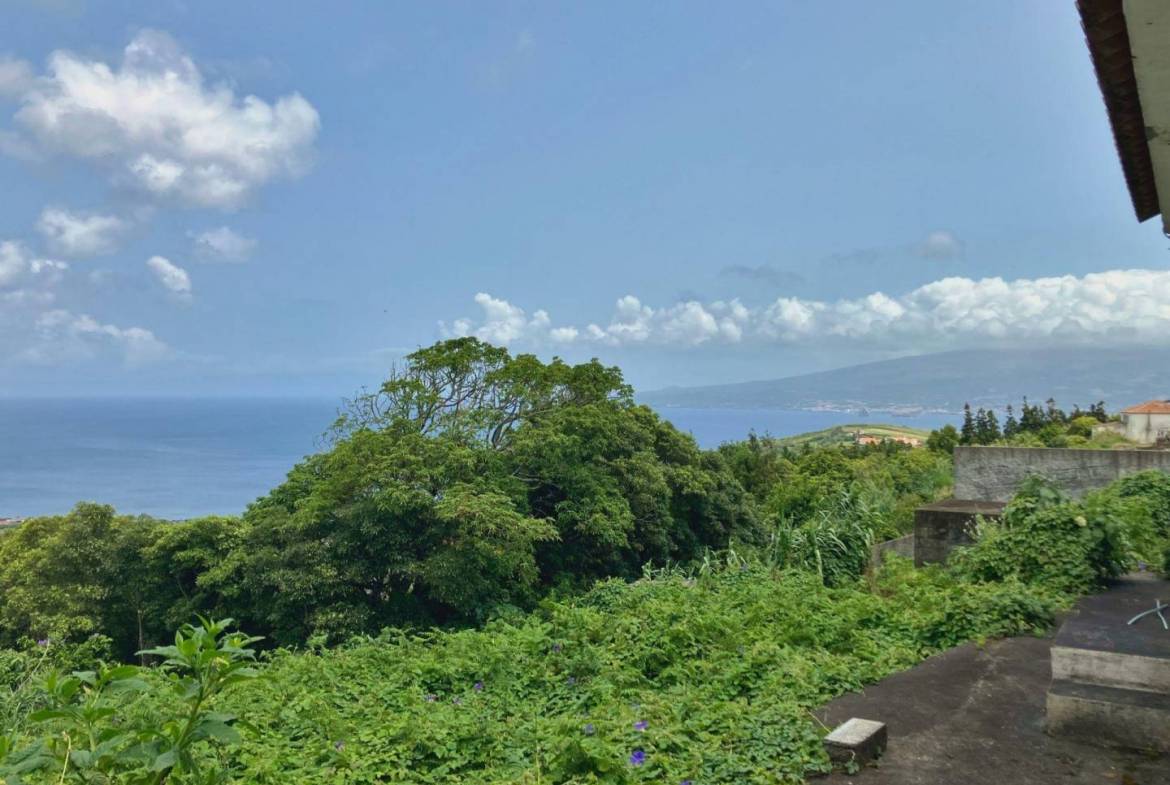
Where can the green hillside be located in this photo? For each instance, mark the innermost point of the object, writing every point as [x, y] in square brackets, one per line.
[846, 434]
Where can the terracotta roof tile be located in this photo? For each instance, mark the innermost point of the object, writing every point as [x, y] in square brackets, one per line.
[1149, 407]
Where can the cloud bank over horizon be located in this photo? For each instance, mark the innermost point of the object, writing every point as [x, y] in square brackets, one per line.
[1115, 306]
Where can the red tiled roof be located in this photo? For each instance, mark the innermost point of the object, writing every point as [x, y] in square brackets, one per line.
[1149, 407]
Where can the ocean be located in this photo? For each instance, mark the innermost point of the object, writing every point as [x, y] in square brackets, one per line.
[181, 458]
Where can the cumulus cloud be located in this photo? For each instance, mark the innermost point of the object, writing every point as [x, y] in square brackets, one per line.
[222, 245]
[80, 234]
[154, 123]
[24, 277]
[1112, 306]
[62, 336]
[173, 278]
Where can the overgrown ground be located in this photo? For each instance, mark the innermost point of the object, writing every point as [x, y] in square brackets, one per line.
[707, 678]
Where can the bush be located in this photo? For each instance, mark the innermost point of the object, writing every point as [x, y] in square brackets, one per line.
[92, 731]
[1045, 539]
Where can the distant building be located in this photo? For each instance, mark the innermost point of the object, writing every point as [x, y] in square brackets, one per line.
[867, 439]
[1147, 423]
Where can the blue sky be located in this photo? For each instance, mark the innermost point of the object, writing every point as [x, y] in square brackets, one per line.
[255, 198]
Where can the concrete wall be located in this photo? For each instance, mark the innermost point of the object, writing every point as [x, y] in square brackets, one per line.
[903, 546]
[994, 473]
[941, 527]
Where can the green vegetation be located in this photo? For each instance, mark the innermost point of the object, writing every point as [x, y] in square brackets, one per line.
[505, 571]
[1047, 426]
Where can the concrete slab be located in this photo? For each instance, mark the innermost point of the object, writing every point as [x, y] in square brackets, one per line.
[1096, 645]
[976, 715]
[1099, 622]
[857, 741]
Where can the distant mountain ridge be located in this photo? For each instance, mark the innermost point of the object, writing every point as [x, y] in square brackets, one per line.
[945, 381]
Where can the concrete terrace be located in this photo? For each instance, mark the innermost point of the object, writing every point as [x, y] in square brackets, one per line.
[977, 714]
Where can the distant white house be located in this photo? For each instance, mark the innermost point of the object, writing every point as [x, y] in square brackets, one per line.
[1147, 422]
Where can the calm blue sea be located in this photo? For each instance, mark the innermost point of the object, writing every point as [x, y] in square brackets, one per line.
[179, 458]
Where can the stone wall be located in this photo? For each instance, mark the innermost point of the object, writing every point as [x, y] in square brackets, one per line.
[994, 473]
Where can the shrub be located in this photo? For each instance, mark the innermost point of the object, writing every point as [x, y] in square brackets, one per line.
[1047, 540]
[91, 731]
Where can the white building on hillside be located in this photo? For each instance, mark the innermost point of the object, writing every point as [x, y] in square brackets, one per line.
[1147, 422]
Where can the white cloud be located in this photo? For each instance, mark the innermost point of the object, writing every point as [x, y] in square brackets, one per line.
[61, 336]
[13, 263]
[80, 234]
[155, 123]
[1112, 306]
[222, 244]
[940, 245]
[171, 276]
[34, 276]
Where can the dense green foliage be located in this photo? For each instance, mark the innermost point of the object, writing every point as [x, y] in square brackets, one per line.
[95, 733]
[706, 674]
[1037, 426]
[722, 666]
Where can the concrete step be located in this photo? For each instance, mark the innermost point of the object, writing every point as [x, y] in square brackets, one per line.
[1111, 669]
[1137, 719]
[1097, 646]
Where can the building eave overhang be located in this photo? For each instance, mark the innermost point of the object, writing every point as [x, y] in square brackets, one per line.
[1129, 43]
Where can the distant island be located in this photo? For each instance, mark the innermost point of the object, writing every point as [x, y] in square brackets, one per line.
[946, 381]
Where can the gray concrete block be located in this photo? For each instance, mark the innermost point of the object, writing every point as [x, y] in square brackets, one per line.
[1110, 716]
[856, 741]
[941, 527]
[1111, 669]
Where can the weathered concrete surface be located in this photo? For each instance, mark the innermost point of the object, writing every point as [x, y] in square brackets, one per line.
[941, 527]
[975, 715]
[1096, 646]
[995, 473]
[856, 741]
[1109, 715]
[1111, 679]
[903, 546]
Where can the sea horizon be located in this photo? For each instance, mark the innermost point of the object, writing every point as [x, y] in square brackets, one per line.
[178, 457]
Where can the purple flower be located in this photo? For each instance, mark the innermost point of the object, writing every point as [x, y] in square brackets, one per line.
[478, 686]
[641, 725]
[556, 647]
[43, 642]
[686, 782]
[432, 698]
[637, 758]
[589, 730]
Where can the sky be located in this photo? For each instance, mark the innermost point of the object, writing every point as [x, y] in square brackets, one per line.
[224, 198]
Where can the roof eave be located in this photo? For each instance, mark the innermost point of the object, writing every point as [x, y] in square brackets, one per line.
[1109, 46]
